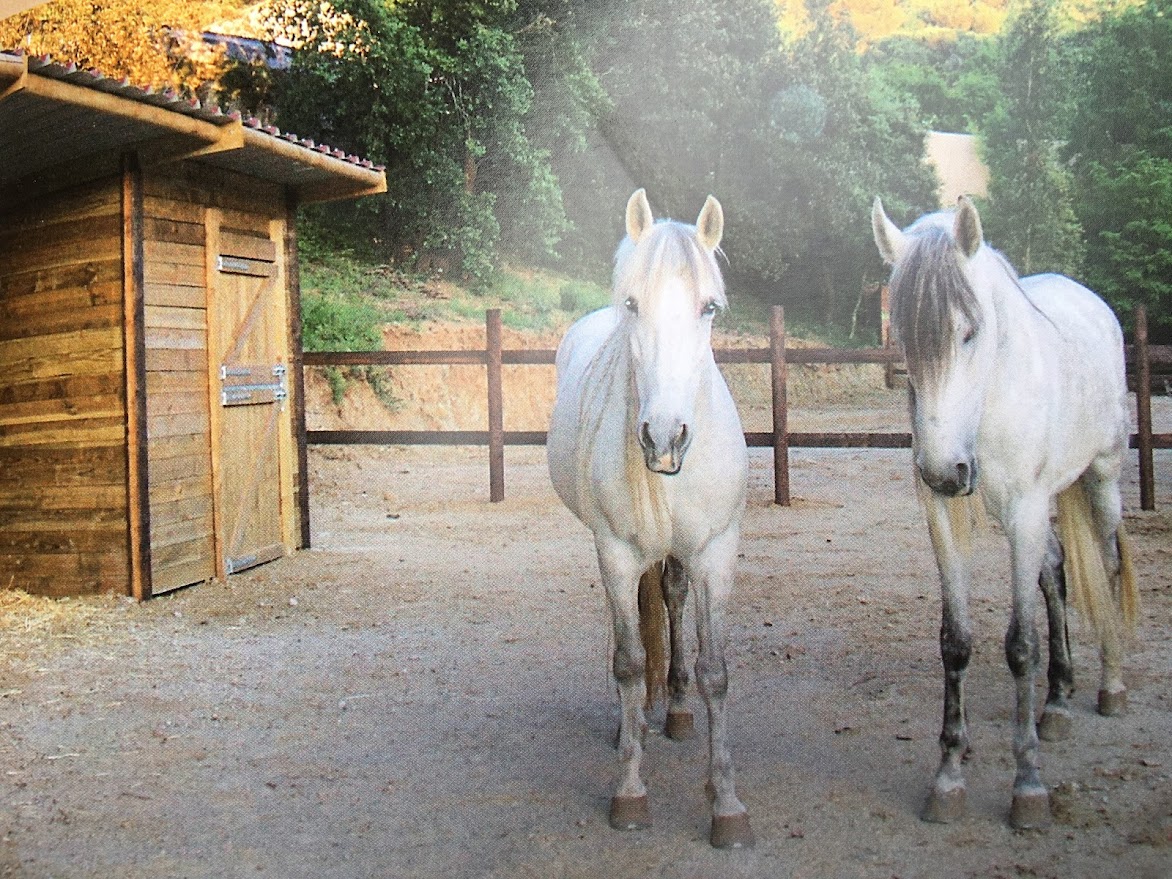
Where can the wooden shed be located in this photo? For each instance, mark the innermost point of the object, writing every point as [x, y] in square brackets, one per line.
[151, 421]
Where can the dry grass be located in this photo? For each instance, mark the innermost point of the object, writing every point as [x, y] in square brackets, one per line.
[30, 624]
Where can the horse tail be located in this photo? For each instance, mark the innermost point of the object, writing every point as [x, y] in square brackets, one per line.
[1128, 588]
[1088, 585]
[653, 631]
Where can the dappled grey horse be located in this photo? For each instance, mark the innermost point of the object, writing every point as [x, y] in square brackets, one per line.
[1016, 394]
[646, 448]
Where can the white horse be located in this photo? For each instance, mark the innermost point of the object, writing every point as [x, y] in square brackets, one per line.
[646, 448]
[1017, 392]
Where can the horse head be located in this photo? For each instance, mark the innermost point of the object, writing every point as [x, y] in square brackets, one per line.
[668, 287]
[942, 317]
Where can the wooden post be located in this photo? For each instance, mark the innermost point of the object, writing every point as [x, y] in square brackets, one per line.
[138, 508]
[496, 421]
[297, 370]
[885, 333]
[1143, 411]
[777, 370]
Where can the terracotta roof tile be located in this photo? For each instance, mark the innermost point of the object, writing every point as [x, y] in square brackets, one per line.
[168, 98]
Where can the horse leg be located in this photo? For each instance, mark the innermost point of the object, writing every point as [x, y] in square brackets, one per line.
[1055, 724]
[630, 808]
[1103, 493]
[1028, 540]
[680, 724]
[712, 576]
[946, 800]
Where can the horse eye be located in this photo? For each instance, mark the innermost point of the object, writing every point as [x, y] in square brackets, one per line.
[631, 305]
[710, 308]
[968, 337]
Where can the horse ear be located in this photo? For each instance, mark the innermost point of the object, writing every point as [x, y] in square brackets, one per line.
[967, 228]
[888, 238]
[710, 223]
[639, 218]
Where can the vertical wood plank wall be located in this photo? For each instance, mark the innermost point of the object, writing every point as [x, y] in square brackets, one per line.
[64, 507]
[178, 427]
[185, 210]
[63, 481]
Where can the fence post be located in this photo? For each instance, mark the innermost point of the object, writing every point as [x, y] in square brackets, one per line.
[885, 333]
[496, 421]
[777, 371]
[1143, 411]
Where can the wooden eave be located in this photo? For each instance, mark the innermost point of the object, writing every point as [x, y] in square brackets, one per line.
[55, 117]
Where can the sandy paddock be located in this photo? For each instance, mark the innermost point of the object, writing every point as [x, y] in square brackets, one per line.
[426, 694]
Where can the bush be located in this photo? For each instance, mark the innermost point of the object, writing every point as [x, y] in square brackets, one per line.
[335, 322]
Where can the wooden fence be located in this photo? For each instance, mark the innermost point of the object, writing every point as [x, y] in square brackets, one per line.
[780, 438]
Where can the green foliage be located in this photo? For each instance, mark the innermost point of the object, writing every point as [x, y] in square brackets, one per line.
[813, 207]
[335, 322]
[514, 131]
[1120, 146]
[704, 98]
[1132, 199]
[953, 82]
[334, 318]
[1031, 214]
[438, 93]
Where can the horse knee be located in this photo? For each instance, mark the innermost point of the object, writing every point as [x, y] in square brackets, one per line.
[628, 662]
[712, 677]
[956, 648]
[1022, 652]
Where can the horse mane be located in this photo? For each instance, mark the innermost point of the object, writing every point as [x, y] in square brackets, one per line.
[927, 286]
[668, 249]
[609, 376]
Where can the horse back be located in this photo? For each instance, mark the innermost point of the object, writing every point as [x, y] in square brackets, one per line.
[1086, 326]
[1084, 387]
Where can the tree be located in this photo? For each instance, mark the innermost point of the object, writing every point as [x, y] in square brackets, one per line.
[1031, 212]
[438, 92]
[704, 98]
[156, 44]
[822, 180]
[1120, 148]
[954, 81]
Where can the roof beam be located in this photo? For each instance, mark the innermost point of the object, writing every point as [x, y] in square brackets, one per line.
[347, 180]
[175, 148]
[113, 105]
[13, 72]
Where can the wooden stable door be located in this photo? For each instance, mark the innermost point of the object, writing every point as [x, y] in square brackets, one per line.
[250, 387]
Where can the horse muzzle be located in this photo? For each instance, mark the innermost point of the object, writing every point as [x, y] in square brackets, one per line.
[665, 454]
[955, 479]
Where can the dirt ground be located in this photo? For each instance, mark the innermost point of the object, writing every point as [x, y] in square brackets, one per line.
[426, 693]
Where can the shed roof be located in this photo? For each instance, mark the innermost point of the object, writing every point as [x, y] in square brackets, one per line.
[55, 115]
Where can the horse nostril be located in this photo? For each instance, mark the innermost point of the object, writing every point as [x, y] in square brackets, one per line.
[682, 438]
[645, 436]
[964, 473]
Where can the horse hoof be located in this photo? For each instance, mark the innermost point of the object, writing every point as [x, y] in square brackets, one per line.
[680, 726]
[630, 813]
[1112, 704]
[1055, 725]
[732, 831]
[944, 806]
[1030, 811]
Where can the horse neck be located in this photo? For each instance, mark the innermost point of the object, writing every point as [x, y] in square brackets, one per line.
[611, 383]
[1017, 318]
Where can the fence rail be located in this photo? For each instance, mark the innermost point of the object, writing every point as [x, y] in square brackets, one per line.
[1140, 357]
